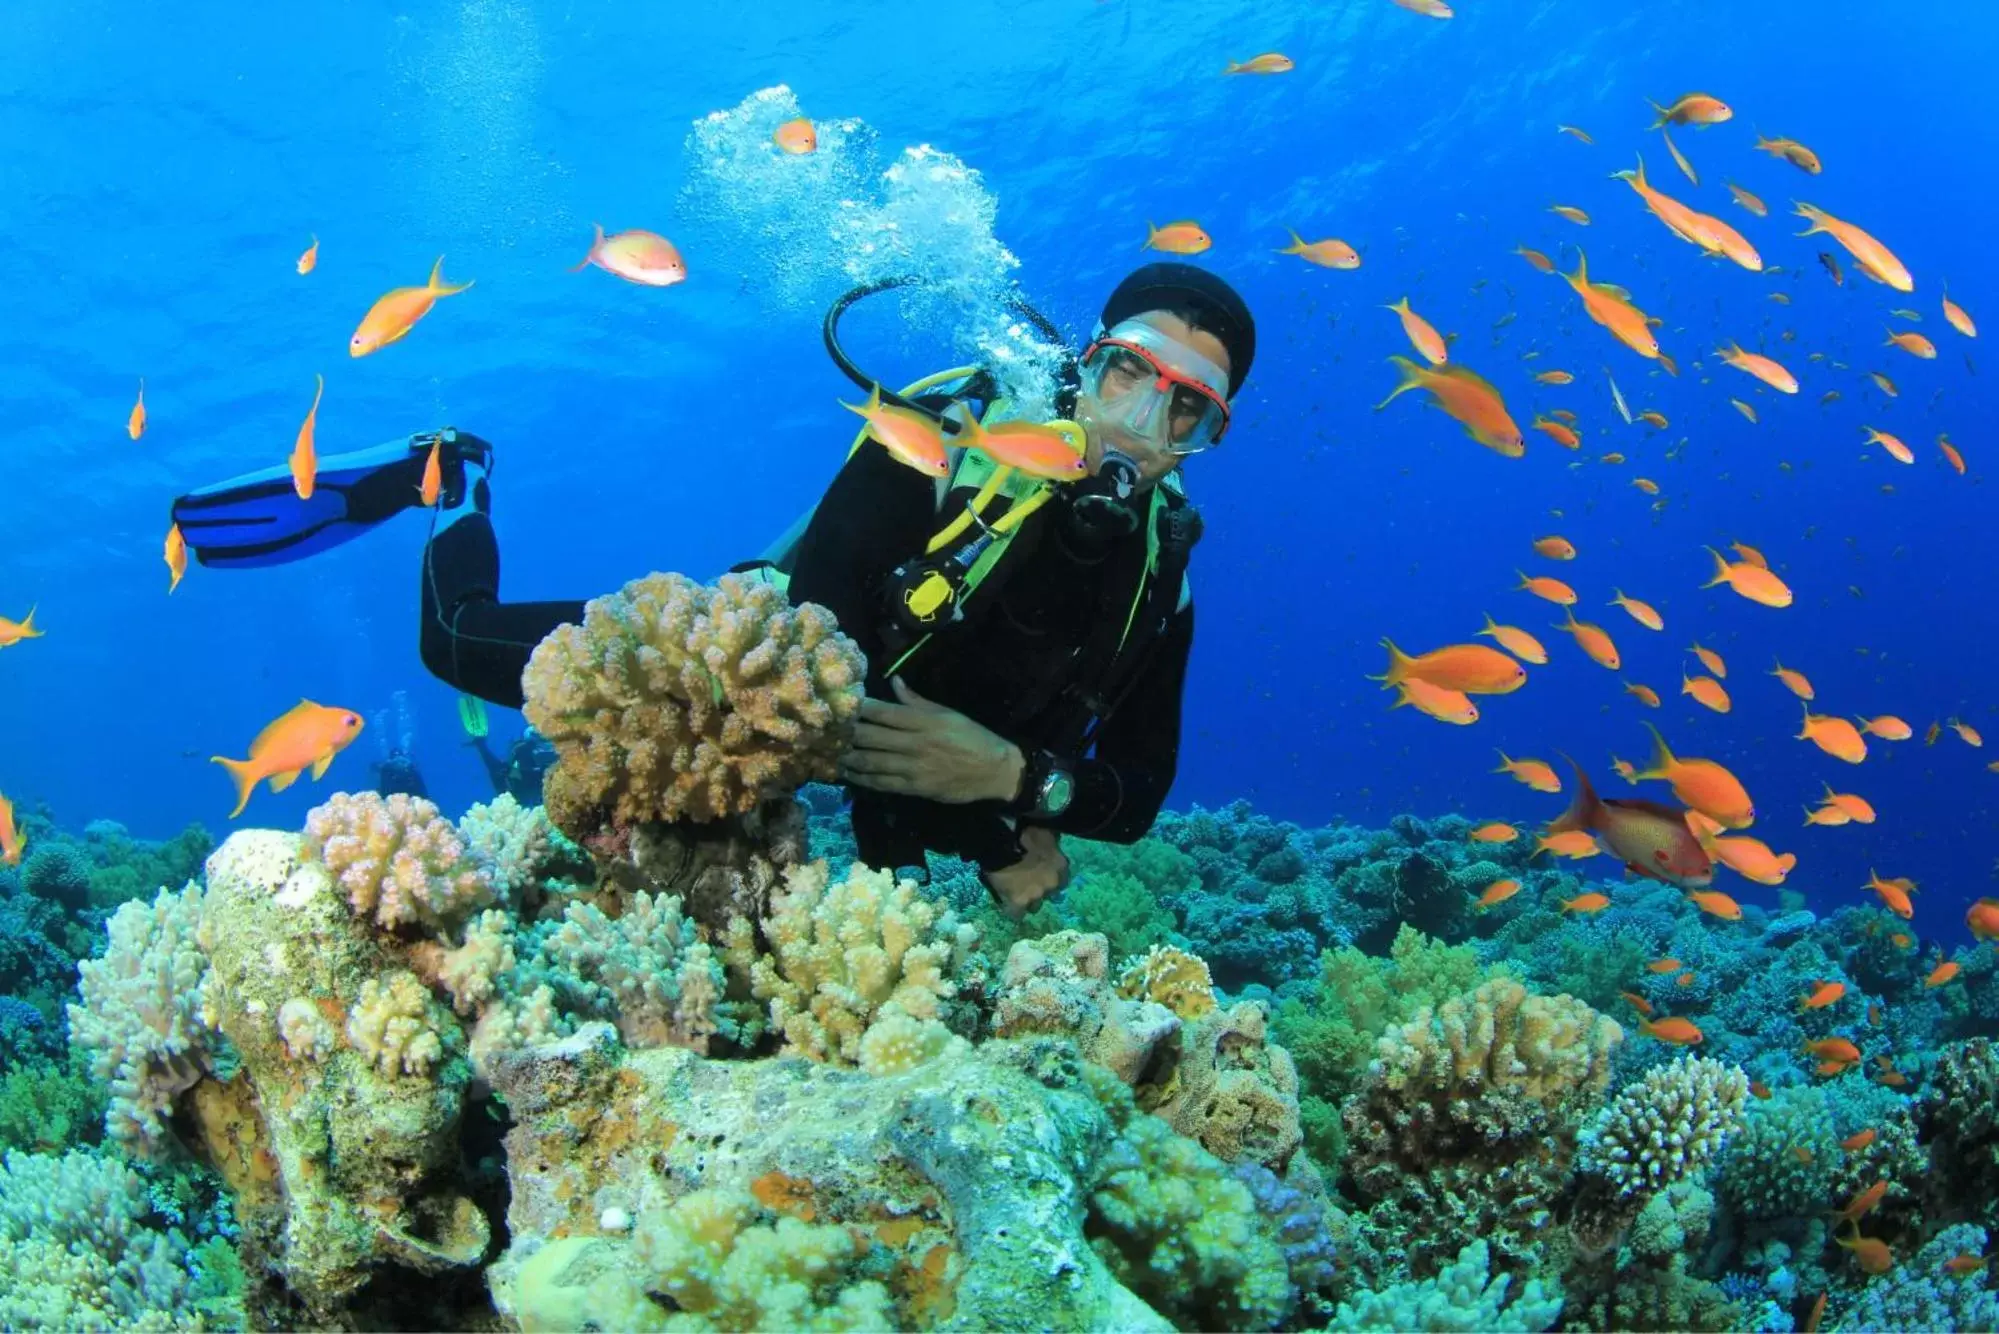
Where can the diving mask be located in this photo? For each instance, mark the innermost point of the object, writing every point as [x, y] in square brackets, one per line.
[1155, 389]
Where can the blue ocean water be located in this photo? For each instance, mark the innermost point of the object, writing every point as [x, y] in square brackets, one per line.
[161, 169]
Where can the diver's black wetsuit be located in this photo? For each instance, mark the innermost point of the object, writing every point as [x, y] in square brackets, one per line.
[1047, 618]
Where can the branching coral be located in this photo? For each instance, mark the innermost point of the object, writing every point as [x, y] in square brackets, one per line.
[1464, 1295]
[681, 701]
[397, 860]
[389, 1025]
[140, 1017]
[1667, 1126]
[509, 842]
[645, 969]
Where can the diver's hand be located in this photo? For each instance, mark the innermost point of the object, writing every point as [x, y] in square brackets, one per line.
[1034, 877]
[917, 748]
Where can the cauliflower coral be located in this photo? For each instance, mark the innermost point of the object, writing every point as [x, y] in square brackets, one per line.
[682, 701]
[396, 859]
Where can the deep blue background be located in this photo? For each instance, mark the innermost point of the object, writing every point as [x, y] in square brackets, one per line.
[161, 169]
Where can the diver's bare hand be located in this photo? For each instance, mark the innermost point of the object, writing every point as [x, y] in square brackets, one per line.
[1043, 870]
[919, 748]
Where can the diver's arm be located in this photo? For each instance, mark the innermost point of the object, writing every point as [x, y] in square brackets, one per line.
[1120, 789]
[876, 513]
[469, 638]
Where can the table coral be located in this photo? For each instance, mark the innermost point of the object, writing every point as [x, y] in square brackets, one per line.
[682, 701]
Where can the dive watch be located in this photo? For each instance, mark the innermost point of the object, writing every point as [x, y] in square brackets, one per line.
[1046, 787]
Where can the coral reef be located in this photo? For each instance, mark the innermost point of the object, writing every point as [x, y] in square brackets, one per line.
[1667, 1126]
[1463, 1296]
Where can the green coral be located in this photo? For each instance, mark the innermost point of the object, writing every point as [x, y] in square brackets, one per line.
[1358, 998]
[1114, 890]
[1463, 1296]
[1781, 1163]
[50, 1106]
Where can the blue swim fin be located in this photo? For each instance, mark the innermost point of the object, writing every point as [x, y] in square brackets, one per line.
[258, 520]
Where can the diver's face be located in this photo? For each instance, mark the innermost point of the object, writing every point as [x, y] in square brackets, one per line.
[1153, 462]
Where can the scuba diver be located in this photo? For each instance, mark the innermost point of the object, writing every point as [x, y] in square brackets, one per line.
[1027, 641]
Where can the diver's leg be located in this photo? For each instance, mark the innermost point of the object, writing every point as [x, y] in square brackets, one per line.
[469, 638]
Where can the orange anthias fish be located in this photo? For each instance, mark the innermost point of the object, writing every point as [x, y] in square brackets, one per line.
[392, 316]
[1950, 453]
[13, 632]
[1875, 260]
[1645, 484]
[1592, 640]
[1654, 419]
[1555, 377]
[1888, 727]
[1574, 844]
[1270, 62]
[1644, 694]
[637, 256]
[1186, 237]
[1966, 732]
[1586, 903]
[1547, 588]
[1709, 658]
[1835, 736]
[1965, 1263]
[1793, 152]
[1983, 919]
[307, 737]
[1697, 109]
[1710, 234]
[1942, 973]
[1641, 612]
[1637, 1002]
[1795, 682]
[11, 841]
[1821, 995]
[1625, 769]
[1763, 368]
[176, 555]
[1664, 966]
[1744, 409]
[1748, 201]
[796, 136]
[1833, 1049]
[1029, 447]
[1495, 832]
[1543, 263]
[1435, 701]
[1422, 336]
[433, 476]
[1516, 641]
[1652, 840]
[1471, 668]
[1555, 548]
[1856, 808]
[912, 437]
[1884, 384]
[1859, 1140]
[1958, 319]
[1498, 892]
[1756, 582]
[1895, 895]
[1571, 213]
[304, 458]
[135, 424]
[1536, 774]
[1625, 321]
[1913, 343]
[1467, 399]
[1716, 904]
[1562, 435]
[1677, 1032]
[1707, 692]
[308, 261]
[1827, 816]
[1864, 1201]
[1702, 784]
[1331, 253]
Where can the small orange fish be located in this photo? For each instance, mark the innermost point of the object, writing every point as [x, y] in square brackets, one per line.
[176, 555]
[1816, 1314]
[1331, 253]
[1941, 974]
[1856, 808]
[1748, 201]
[1793, 152]
[1678, 1032]
[1964, 1263]
[1499, 891]
[396, 312]
[1027, 447]
[1625, 769]
[1914, 344]
[1534, 773]
[912, 437]
[1702, 784]
[1833, 1049]
[1862, 1202]
[1613, 457]
[1827, 816]
[1270, 62]
[1895, 895]
[1187, 238]
[796, 136]
[638, 256]
[1557, 432]
[1706, 691]
[1555, 377]
[1716, 904]
[1966, 732]
[306, 737]
[1467, 399]
[1574, 844]
[1644, 694]
[1757, 583]
[1549, 589]
[11, 840]
[1611, 307]
[1546, 265]
[1554, 548]
[1516, 641]
[135, 424]
[1646, 484]
[1763, 368]
[1586, 903]
[1801, 1153]
[1638, 1003]
[1685, 979]
[1435, 701]
[1495, 832]
[433, 477]
[1663, 966]
[1888, 727]
[1884, 384]
[1572, 213]
[13, 632]
[1854, 1143]
[1950, 453]
[1983, 919]
[1471, 668]
[1829, 1069]
[1898, 451]
[1822, 995]
[1875, 260]
[1744, 409]
[1697, 109]
[1889, 1076]
[1760, 1090]
[1641, 612]
[1421, 334]
[1835, 736]
[1795, 682]
[309, 260]
[1592, 640]
[1959, 321]
[1563, 415]
[304, 458]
